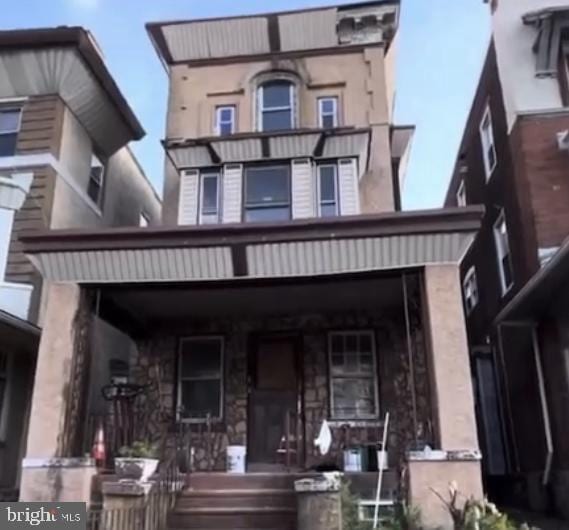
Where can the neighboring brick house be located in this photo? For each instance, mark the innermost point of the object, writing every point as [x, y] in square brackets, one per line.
[65, 128]
[514, 160]
[285, 288]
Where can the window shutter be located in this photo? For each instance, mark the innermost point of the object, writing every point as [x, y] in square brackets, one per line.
[231, 193]
[303, 199]
[188, 203]
[348, 184]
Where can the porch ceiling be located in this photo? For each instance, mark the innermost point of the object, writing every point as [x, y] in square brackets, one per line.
[308, 248]
[139, 305]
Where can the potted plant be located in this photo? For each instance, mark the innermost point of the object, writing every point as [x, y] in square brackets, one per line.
[137, 462]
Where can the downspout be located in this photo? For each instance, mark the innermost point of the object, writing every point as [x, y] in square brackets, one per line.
[544, 407]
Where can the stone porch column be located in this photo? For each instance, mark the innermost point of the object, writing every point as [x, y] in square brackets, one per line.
[47, 475]
[456, 457]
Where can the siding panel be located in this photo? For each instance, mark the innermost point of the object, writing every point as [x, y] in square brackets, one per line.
[188, 203]
[348, 183]
[303, 196]
[232, 193]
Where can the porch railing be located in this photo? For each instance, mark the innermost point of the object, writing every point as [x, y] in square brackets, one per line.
[152, 513]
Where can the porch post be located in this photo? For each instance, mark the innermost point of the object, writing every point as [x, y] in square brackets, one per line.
[457, 457]
[48, 473]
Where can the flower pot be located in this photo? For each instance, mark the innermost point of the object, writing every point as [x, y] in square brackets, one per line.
[138, 469]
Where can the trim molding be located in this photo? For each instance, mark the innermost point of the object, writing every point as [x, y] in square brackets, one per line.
[19, 162]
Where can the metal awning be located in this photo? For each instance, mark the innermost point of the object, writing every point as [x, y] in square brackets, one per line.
[295, 249]
[284, 145]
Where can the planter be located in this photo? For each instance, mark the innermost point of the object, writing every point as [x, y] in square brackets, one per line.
[137, 469]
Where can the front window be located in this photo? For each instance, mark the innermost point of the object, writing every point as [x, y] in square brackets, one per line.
[276, 105]
[503, 253]
[353, 375]
[200, 379]
[225, 120]
[470, 290]
[267, 193]
[328, 112]
[209, 198]
[328, 191]
[96, 180]
[488, 146]
[9, 127]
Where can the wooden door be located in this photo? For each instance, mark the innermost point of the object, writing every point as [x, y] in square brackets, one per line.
[273, 392]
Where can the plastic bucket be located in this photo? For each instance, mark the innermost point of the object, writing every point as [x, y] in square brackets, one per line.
[236, 458]
[353, 460]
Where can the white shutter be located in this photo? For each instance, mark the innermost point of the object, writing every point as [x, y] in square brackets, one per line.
[348, 183]
[188, 203]
[232, 193]
[303, 199]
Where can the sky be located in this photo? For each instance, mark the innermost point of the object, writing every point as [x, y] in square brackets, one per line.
[442, 44]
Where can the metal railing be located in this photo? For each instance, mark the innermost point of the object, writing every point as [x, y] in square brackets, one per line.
[152, 513]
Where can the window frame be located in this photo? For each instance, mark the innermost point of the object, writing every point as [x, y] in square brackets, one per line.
[500, 253]
[245, 206]
[5, 107]
[470, 277]
[374, 376]
[194, 338]
[100, 198]
[319, 185]
[218, 122]
[201, 215]
[488, 141]
[261, 103]
[335, 117]
[461, 200]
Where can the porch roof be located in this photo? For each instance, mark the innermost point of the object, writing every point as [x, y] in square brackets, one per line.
[18, 335]
[265, 146]
[302, 248]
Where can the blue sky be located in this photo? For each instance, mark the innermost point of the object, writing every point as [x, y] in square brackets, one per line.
[441, 49]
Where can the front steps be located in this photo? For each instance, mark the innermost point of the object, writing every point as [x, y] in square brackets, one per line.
[253, 501]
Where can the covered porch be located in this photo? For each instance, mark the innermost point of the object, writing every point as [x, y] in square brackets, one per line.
[253, 335]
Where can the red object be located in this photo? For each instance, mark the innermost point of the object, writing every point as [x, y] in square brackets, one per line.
[99, 452]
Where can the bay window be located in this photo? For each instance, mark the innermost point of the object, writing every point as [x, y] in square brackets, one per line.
[267, 194]
[327, 189]
[200, 378]
[209, 197]
[353, 375]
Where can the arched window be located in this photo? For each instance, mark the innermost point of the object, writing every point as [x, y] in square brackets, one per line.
[276, 105]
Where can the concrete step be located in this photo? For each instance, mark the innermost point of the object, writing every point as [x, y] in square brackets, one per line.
[233, 498]
[258, 481]
[276, 518]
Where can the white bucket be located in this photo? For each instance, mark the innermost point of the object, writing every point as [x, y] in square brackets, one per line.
[236, 458]
[385, 456]
[352, 460]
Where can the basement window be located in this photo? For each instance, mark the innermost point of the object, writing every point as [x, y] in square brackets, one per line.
[470, 290]
[10, 119]
[200, 379]
[353, 375]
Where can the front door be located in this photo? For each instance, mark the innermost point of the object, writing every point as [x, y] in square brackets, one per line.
[273, 396]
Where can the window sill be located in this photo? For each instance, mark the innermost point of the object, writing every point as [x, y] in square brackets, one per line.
[355, 423]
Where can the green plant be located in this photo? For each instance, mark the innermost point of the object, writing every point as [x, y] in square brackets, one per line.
[350, 509]
[139, 449]
[475, 514]
[406, 517]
